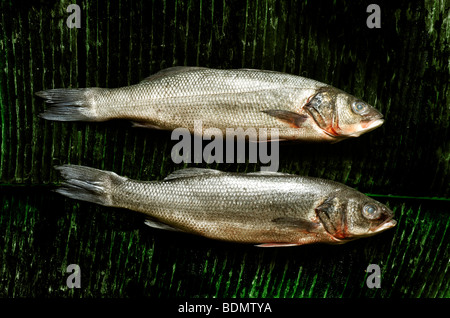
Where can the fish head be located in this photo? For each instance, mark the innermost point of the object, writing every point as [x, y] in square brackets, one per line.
[350, 215]
[341, 115]
[356, 117]
[366, 217]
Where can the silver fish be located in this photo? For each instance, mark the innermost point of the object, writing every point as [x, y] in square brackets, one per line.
[300, 108]
[265, 208]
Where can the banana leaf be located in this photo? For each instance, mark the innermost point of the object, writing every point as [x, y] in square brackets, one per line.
[402, 68]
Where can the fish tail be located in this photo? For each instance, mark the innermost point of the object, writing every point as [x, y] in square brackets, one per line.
[88, 184]
[70, 104]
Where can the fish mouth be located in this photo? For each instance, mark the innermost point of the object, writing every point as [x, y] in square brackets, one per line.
[367, 126]
[372, 124]
[388, 224]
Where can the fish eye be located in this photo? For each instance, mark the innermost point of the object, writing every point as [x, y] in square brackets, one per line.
[370, 211]
[359, 107]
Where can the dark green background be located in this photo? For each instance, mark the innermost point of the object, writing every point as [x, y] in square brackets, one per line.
[402, 69]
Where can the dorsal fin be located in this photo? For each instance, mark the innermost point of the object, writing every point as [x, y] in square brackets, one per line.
[190, 172]
[269, 173]
[171, 71]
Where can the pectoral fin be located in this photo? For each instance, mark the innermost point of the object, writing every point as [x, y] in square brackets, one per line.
[293, 119]
[297, 223]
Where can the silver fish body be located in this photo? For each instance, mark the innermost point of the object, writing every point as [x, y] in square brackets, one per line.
[299, 108]
[264, 208]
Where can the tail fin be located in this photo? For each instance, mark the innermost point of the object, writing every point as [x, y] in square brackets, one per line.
[69, 104]
[88, 184]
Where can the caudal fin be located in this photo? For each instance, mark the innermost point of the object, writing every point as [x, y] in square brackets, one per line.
[88, 184]
[69, 104]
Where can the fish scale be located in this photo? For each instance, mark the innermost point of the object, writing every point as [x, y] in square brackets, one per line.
[299, 108]
[265, 208]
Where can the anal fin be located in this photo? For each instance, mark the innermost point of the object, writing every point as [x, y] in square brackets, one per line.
[138, 124]
[160, 225]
